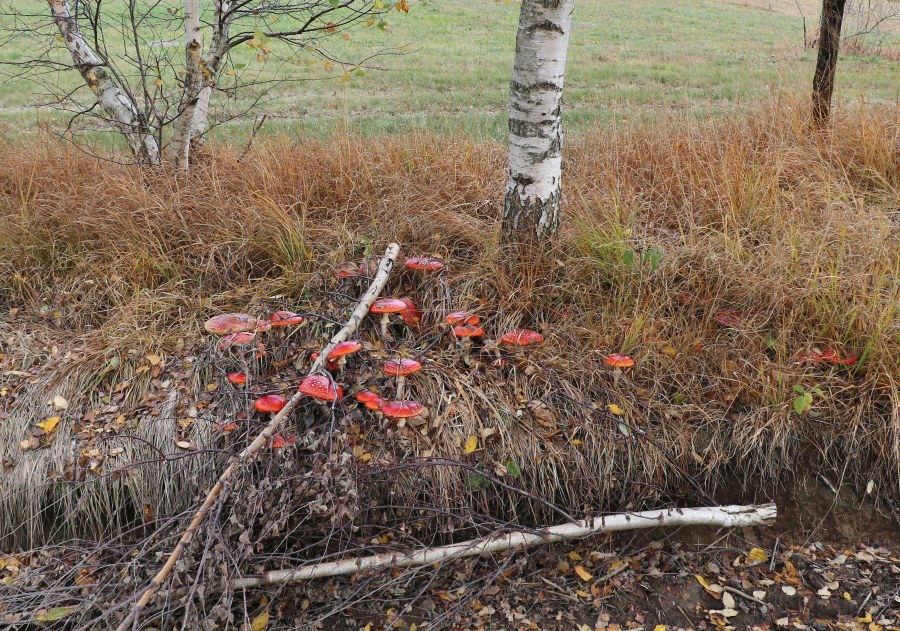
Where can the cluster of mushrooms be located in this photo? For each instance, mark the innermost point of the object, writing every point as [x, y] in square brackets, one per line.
[242, 329]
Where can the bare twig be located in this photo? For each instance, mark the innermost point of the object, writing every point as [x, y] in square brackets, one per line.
[723, 516]
[378, 283]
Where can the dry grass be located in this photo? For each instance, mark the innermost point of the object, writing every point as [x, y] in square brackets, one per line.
[750, 214]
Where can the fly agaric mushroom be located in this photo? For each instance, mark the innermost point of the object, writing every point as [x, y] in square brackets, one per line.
[350, 270]
[321, 388]
[281, 319]
[271, 403]
[402, 410]
[237, 378]
[827, 356]
[338, 356]
[231, 323]
[521, 338]
[618, 360]
[456, 318]
[401, 369]
[329, 365]
[241, 337]
[412, 315]
[464, 334]
[375, 404]
[729, 318]
[366, 395]
[387, 306]
[424, 264]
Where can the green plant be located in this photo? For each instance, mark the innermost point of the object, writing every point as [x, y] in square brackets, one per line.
[803, 402]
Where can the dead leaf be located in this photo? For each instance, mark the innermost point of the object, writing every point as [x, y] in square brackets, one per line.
[49, 425]
[582, 573]
[60, 402]
[757, 555]
[184, 444]
[260, 622]
[615, 409]
[471, 444]
[154, 359]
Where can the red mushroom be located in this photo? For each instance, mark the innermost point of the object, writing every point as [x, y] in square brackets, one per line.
[281, 319]
[465, 333]
[271, 403]
[424, 264]
[522, 338]
[237, 378]
[827, 356]
[618, 360]
[402, 410]
[375, 404]
[241, 337]
[366, 395]
[350, 270]
[401, 369]
[338, 356]
[412, 315]
[321, 388]
[456, 318]
[729, 317]
[330, 365]
[387, 306]
[231, 323]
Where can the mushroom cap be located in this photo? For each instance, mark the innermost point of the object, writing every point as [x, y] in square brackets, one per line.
[455, 318]
[272, 403]
[366, 395]
[522, 337]
[375, 404]
[401, 368]
[230, 323]
[321, 387]
[330, 364]
[402, 409]
[285, 318]
[349, 269]
[388, 305]
[344, 348]
[237, 378]
[412, 315]
[280, 440]
[729, 317]
[424, 264]
[241, 337]
[619, 361]
[468, 330]
[827, 356]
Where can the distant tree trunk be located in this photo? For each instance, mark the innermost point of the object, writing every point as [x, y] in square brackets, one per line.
[531, 209]
[826, 61]
[193, 86]
[118, 107]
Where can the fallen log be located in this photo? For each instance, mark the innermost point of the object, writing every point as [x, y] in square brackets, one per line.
[723, 516]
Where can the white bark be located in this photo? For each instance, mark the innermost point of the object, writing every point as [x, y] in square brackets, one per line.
[193, 85]
[119, 108]
[531, 208]
[722, 516]
[201, 114]
[378, 283]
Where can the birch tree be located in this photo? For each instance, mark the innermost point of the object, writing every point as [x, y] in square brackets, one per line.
[826, 60]
[531, 209]
[159, 96]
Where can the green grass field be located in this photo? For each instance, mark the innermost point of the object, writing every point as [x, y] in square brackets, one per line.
[630, 60]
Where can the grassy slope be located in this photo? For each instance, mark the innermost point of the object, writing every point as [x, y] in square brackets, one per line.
[629, 61]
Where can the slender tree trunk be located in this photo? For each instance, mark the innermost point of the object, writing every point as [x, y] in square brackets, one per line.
[118, 107]
[193, 86]
[826, 61]
[531, 207]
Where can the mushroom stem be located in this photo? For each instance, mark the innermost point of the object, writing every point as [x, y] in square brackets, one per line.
[385, 317]
[401, 381]
[466, 343]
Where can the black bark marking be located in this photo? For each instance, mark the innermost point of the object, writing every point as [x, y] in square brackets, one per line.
[544, 25]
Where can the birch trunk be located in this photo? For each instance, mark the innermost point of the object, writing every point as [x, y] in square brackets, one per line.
[118, 107]
[193, 86]
[826, 60]
[533, 193]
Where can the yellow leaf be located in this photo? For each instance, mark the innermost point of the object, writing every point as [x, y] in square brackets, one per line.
[574, 556]
[230, 72]
[212, 387]
[345, 36]
[345, 77]
[154, 359]
[50, 424]
[260, 622]
[703, 582]
[327, 65]
[669, 351]
[577, 442]
[582, 573]
[615, 409]
[471, 444]
[158, 83]
[757, 555]
[659, 627]
[582, 593]
[365, 457]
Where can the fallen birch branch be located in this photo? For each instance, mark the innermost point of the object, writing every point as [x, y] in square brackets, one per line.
[722, 516]
[378, 283]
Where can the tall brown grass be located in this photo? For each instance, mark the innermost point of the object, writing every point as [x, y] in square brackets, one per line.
[755, 214]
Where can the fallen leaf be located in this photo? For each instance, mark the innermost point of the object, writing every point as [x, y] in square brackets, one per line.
[49, 425]
[260, 622]
[788, 590]
[582, 573]
[728, 601]
[60, 402]
[471, 444]
[184, 444]
[615, 409]
[154, 359]
[757, 555]
[54, 614]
